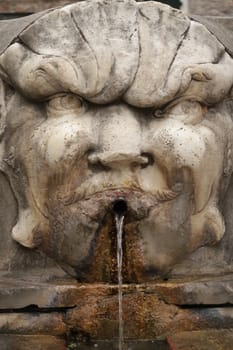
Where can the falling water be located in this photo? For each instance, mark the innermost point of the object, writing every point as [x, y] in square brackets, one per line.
[119, 226]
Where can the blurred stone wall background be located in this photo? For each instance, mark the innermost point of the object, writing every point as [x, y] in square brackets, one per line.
[211, 7]
[15, 8]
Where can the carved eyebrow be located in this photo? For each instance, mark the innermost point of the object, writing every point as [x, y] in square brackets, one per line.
[39, 76]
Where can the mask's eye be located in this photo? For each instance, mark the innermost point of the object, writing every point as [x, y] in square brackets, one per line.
[158, 113]
[63, 104]
[189, 112]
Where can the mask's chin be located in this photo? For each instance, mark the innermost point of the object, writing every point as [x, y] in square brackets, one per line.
[24, 230]
[207, 227]
[78, 234]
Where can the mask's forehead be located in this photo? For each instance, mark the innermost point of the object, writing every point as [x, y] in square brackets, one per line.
[148, 53]
[99, 38]
[169, 47]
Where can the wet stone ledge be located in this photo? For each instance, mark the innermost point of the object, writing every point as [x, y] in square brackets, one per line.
[195, 340]
[202, 340]
[19, 293]
[29, 342]
[66, 312]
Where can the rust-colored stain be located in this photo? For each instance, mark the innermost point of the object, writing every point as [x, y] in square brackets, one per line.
[145, 316]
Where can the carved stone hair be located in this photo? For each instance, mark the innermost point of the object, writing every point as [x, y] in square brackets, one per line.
[93, 52]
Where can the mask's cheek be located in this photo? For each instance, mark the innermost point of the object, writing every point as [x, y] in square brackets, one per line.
[53, 155]
[171, 233]
[43, 152]
[65, 139]
[25, 229]
[207, 227]
[196, 148]
[19, 159]
[192, 220]
[166, 233]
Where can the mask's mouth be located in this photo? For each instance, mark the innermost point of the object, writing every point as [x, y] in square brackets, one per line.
[132, 203]
[120, 207]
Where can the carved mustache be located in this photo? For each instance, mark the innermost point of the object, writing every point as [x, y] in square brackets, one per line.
[86, 191]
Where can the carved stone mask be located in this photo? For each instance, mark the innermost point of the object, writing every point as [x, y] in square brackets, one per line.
[116, 100]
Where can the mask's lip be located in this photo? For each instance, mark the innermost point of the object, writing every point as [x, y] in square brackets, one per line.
[110, 195]
[114, 193]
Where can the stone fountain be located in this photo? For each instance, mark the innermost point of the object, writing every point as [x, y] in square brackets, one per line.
[116, 108]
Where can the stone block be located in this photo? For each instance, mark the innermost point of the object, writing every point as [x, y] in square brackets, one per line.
[202, 340]
[211, 7]
[29, 6]
[32, 323]
[29, 342]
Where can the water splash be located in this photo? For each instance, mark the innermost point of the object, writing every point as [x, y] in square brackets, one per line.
[119, 226]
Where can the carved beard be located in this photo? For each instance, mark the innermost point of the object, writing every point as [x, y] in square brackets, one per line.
[78, 228]
[81, 235]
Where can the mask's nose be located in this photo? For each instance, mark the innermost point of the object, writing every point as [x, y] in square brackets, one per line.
[120, 140]
[114, 160]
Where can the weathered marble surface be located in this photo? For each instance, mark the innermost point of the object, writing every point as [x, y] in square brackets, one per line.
[199, 340]
[20, 293]
[151, 311]
[101, 102]
[115, 112]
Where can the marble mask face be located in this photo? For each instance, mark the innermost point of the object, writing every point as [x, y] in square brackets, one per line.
[113, 100]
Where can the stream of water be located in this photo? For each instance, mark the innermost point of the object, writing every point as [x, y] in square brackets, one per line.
[119, 226]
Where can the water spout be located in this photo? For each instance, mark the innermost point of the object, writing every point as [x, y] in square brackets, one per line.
[120, 207]
[119, 225]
